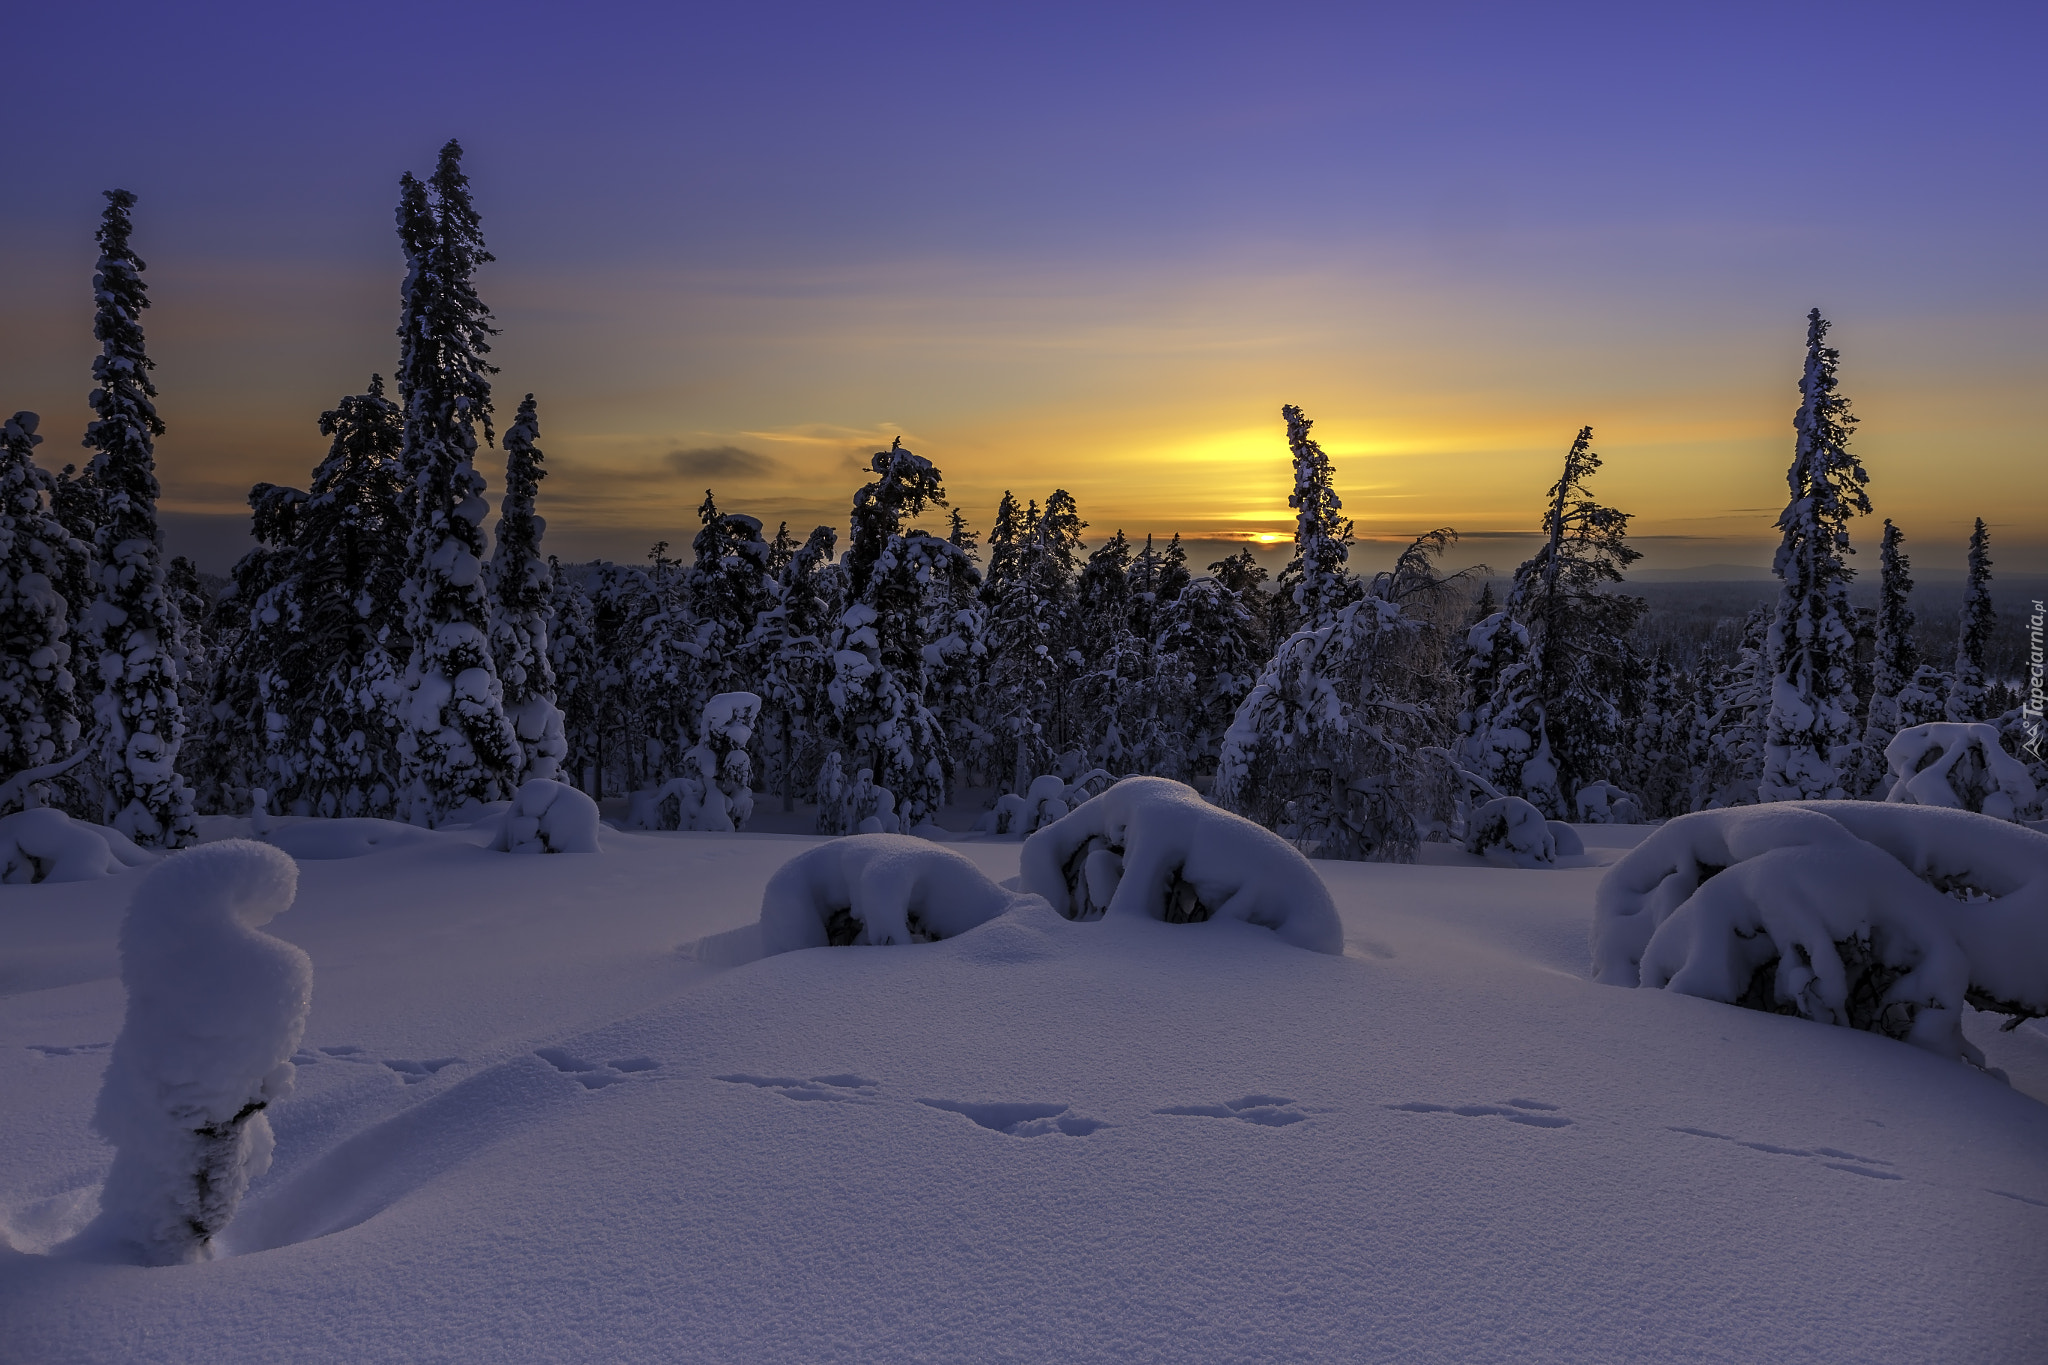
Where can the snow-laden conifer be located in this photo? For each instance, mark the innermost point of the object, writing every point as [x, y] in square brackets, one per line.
[1550, 677]
[1208, 658]
[525, 605]
[573, 657]
[1316, 582]
[129, 624]
[1968, 686]
[905, 486]
[1894, 659]
[40, 709]
[789, 639]
[1328, 749]
[460, 747]
[729, 584]
[1733, 729]
[1810, 647]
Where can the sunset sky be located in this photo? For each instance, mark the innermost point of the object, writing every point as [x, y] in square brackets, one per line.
[1094, 246]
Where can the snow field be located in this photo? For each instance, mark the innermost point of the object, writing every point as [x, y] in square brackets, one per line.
[527, 1127]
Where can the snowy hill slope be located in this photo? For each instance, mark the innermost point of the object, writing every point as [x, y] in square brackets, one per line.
[528, 1127]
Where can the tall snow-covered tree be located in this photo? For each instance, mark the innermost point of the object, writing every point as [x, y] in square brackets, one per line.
[40, 709]
[572, 655]
[525, 604]
[1810, 730]
[460, 748]
[1315, 583]
[1894, 660]
[881, 722]
[1559, 665]
[1208, 659]
[729, 583]
[790, 639]
[129, 623]
[1736, 706]
[1969, 687]
[907, 485]
[1329, 748]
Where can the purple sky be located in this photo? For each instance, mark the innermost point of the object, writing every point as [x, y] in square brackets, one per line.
[1095, 246]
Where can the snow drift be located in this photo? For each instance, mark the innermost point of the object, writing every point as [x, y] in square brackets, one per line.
[45, 845]
[1153, 847]
[1881, 917]
[876, 889]
[215, 1010]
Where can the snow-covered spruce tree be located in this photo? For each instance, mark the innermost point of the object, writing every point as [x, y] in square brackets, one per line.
[1733, 732]
[881, 721]
[1968, 686]
[1550, 675]
[129, 625]
[40, 710]
[1326, 750]
[1024, 662]
[663, 686]
[459, 748]
[525, 605]
[216, 1007]
[728, 585]
[572, 655]
[907, 485]
[1208, 659]
[1315, 582]
[1810, 731]
[1110, 692]
[956, 655]
[789, 639]
[1894, 660]
[1242, 574]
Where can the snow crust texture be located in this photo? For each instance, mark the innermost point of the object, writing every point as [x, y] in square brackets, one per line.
[216, 1009]
[1153, 848]
[873, 889]
[1888, 918]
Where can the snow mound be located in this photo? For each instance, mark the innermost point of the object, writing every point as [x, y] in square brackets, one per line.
[1882, 917]
[1960, 766]
[548, 817]
[1153, 847]
[46, 845]
[1603, 803]
[1511, 831]
[215, 1010]
[876, 889]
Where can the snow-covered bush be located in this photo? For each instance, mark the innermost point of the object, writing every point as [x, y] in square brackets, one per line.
[1603, 803]
[716, 792]
[1876, 916]
[215, 1010]
[46, 845]
[876, 889]
[548, 817]
[1047, 799]
[1961, 766]
[1150, 846]
[1510, 830]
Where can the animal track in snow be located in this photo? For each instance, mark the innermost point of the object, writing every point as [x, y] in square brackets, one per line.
[412, 1072]
[1267, 1111]
[2024, 1199]
[71, 1050]
[595, 1075]
[1834, 1158]
[1528, 1113]
[1021, 1119]
[837, 1089]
